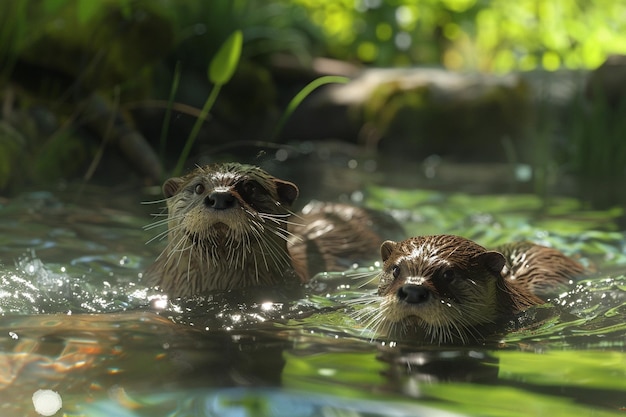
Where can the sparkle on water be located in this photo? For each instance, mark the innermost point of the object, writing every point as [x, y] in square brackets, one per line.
[77, 324]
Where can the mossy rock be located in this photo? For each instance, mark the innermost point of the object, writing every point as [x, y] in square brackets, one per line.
[436, 112]
[417, 112]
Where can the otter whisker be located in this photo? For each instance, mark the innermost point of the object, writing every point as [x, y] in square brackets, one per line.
[181, 251]
[170, 249]
[244, 248]
[277, 231]
[282, 219]
[254, 255]
[157, 223]
[463, 322]
[363, 300]
[279, 256]
[189, 269]
[247, 249]
[274, 216]
[162, 222]
[230, 255]
[162, 213]
[159, 236]
[367, 277]
[172, 233]
[282, 257]
[163, 234]
[377, 319]
[373, 319]
[214, 250]
[161, 219]
[461, 328]
[233, 244]
[282, 233]
[257, 236]
[256, 267]
[160, 201]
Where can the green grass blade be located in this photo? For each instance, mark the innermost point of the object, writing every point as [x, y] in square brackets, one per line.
[304, 93]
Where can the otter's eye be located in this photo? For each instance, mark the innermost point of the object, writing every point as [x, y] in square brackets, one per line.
[198, 189]
[448, 274]
[251, 191]
[251, 188]
[395, 271]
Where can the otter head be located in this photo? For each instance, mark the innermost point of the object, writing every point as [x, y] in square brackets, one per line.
[443, 287]
[227, 201]
[227, 228]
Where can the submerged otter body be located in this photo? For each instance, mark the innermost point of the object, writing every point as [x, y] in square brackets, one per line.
[447, 288]
[333, 236]
[230, 226]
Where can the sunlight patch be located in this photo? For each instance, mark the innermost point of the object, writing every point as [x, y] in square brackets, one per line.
[47, 402]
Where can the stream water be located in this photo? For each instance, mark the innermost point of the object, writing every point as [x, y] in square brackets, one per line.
[76, 321]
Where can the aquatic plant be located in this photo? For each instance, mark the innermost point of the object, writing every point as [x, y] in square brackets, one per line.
[221, 70]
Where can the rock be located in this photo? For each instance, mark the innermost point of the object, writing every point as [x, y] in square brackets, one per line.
[420, 111]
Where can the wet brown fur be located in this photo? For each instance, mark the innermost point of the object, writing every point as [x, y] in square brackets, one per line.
[258, 241]
[211, 249]
[332, 236]
[447, 288]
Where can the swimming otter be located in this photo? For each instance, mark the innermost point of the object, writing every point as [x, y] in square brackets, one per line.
[333, 236]
[446, 288]
[230, 226]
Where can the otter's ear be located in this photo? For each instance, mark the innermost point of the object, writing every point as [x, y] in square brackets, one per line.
[171, 186]
[493, 261]
[287, 191]
[386, 248]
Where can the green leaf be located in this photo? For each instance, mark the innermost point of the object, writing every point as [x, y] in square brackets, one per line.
[225, 62]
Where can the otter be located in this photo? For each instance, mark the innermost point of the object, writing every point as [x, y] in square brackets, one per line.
[446, 288]
[329, 236]
[231, 226]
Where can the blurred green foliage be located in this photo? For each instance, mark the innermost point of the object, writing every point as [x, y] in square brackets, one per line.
[59, 49]
[497, 35]
[53, 45]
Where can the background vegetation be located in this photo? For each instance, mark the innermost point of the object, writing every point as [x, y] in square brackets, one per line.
[80, 77]
[497, 35]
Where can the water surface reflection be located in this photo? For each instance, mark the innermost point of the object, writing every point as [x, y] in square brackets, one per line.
[76, 320]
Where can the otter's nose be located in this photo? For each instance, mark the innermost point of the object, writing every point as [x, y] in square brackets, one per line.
[413, 294]
[220, 200]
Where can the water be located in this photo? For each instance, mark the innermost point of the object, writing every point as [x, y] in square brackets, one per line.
[77, 321]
